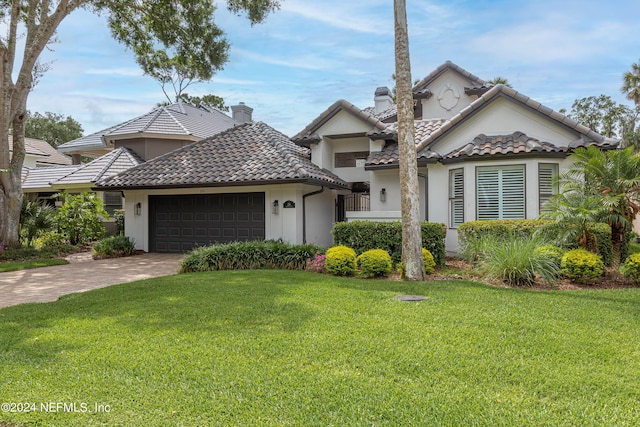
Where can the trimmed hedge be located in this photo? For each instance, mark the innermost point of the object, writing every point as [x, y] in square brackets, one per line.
[503, 228]
[428, 261]
[365, 235]
[581, 265]
[254, 255]
[374, 263]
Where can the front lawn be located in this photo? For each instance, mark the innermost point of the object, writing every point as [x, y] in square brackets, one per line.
[31, 263]
[294, 348]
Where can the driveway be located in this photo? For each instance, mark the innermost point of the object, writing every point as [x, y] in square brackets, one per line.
[82, 274]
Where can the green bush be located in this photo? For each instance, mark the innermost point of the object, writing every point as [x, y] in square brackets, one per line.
[53, 242]
[80, 217]
[631, 267]
[374, 263]
[554, 253]
[341, 261]
[365, 235]
[113, 247]
[472, 233]
[429, 262]
[249, 256]
[516, 261]
[581, 265]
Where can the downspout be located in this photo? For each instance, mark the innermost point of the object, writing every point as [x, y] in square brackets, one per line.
[304, 212]
[426, 195]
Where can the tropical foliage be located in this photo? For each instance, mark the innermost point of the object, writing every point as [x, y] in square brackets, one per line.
[81, 216]
[631, 83]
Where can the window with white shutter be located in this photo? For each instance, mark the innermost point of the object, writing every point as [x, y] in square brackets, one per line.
[500, 192]
[456, 197]
[547, 186]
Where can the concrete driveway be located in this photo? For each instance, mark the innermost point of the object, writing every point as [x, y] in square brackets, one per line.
[82, 274]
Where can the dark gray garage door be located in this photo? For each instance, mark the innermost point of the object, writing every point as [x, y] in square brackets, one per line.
[180, 223]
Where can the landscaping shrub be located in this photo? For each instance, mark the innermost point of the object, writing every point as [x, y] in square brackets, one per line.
[515, 261]
[253, 255]
[365, 235]
[80, 217]
[581, 265]
[113, 247]
[53, 242]
[554, 253]
[36, 218]
[341, 261]
[316, 264]
[471, 235]
[631, 267]
[374, 263]
[429, 262]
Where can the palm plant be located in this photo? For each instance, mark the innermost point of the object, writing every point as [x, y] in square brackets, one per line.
[631, 83]
[613, 177]
[34, 219]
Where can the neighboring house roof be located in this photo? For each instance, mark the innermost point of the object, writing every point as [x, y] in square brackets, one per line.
[118, 160]
[308, 135]
[383, 115]
[587, 136]
[516, 143]
[42, 177]
[250, 154]
[47, 155]
[176, 120]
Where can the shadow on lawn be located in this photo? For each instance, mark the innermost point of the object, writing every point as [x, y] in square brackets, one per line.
[198, 304]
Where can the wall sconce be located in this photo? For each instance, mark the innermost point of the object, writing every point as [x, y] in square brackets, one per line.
[274, 208]
[383, 195]
[137, 209]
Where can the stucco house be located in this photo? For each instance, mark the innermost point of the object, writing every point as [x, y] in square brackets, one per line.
[122, 146]
[484, 152]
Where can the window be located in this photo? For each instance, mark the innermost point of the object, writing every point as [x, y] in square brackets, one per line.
[112, 201]
[350, 160]
[546, 185]
[500, 192]
[456, 197]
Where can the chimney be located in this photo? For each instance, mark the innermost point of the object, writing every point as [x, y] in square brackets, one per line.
[383, 100]
[241, 113]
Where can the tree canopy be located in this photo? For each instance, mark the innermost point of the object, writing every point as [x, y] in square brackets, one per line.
[54, 128]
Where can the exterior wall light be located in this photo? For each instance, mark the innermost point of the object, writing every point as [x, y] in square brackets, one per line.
[383, 195]
[137, 209]
[274, 208]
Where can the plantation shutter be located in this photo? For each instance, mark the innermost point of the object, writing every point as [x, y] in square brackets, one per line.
[546, 185]
[456, 197]
[500, 192]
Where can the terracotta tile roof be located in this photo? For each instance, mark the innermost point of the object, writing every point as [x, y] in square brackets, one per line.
[389, 156]
[420, 89]
[308, 134]
[42, 177]
[47, 155]
[250, 154]
[424, 128]
[179, 120]
[586, 135]
[383, 115]
[515, 143]
[112, 163]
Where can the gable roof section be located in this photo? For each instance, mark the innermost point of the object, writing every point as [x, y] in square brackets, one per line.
[420, 90]
[47, 155]
[118, 160]
[309, 136]
[177, 120]
[41, 178]
[585, 136]
[250, 154]
[517, 143]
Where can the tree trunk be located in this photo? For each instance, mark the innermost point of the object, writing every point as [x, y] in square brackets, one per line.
[409, 186]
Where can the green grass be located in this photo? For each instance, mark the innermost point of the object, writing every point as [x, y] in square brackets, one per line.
[30, 263]
[290, 348]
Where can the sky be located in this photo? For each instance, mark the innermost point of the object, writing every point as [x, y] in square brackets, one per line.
[309, 54]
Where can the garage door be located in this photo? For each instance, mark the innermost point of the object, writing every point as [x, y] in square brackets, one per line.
[180, 223]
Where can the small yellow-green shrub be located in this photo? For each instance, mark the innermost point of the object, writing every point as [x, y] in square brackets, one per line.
[553, 253]
[631, 267]
[429, 262]
[340, 261]
[374, 263]
[581, 265]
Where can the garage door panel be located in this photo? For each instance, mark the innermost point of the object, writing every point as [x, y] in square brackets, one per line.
[180, 223]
